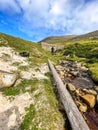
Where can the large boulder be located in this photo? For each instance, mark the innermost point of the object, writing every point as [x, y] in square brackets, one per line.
[89, 99]
[7, 79]
[88, 96]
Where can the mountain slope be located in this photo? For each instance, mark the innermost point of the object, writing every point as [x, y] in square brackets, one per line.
[91, 35]
[69, 38]
[58, 39]
[29, 103]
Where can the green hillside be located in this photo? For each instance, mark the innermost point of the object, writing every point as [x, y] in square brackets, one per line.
[85, 51]
[69, 38]
[37, 116]
[37, 54]
[83, 48]
[58, 39]
[34, 80]
[91, 36]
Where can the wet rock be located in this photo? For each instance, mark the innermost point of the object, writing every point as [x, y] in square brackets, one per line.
[89, 99]
[79, 92]
[83, 68]
[7, 79]
[82, 106]
[96, 88]
[61, 74]
[74, 73]
[78, 65]
[59, 68]
[70, 87]
[69, 75]
[90, 91]
[97, 99]
[63, 62]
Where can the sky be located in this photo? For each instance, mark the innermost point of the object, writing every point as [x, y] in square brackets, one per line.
[37, 19]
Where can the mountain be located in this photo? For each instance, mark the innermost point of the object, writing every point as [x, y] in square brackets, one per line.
[57, 39]
[67, 38]
[90, 35]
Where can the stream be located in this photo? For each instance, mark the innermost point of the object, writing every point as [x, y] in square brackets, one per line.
[77, 74]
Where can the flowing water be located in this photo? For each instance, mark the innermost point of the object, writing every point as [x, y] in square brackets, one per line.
[78, 75]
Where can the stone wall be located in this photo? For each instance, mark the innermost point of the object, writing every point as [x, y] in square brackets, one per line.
[48, 46]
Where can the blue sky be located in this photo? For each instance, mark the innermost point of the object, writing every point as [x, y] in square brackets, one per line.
[37, 19]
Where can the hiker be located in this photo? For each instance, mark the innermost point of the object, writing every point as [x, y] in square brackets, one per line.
[52, 50]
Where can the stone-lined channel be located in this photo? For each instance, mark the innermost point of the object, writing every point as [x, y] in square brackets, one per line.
[84, 91]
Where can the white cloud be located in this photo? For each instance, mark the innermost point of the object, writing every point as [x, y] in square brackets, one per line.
[9, 5]
[69, 16]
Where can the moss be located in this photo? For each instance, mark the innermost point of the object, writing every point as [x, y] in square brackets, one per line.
[21, 87]
[27, 121]
[12, 91]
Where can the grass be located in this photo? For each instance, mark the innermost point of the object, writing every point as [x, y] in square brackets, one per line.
[43, 114]
[37, 54]
[38, 115]
[85, 51]
[21, 88]
[93, 68]
[27, 121]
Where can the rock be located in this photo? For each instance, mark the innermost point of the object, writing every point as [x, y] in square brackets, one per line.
[74, 73]
[59, 68]
[78, 65]
[61, 74]
[90, 91]
[70, 87]
[79, 92]
[7, 79]
[89, 99]
[62, 62]
[83, 68]
[69, 75]
[96, 88]
[97, 99]
[10, 119]
[82, 106]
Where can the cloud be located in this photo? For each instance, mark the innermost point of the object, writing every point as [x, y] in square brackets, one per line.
[52, 17]
[9, 6]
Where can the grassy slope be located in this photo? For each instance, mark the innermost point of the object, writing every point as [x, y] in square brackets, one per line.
[83, 48]
[57, 39]
[36, 52]
[92, 35]
[85, 51]
[44, 113]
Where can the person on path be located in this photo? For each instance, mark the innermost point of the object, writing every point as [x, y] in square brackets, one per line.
[52, 50]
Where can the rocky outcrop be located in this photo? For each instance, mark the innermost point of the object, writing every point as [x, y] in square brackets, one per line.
[7, 79]
[10, 119]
